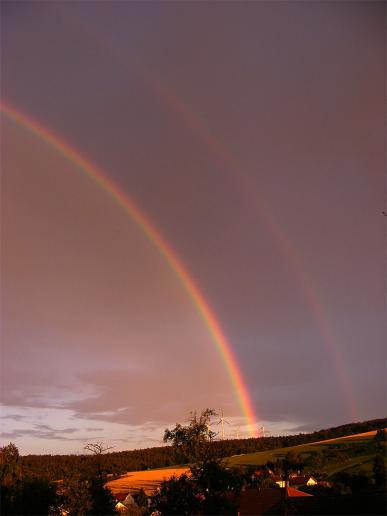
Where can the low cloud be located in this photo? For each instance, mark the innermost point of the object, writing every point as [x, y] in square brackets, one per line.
[40, 431]
[14, 417]
[139, 398]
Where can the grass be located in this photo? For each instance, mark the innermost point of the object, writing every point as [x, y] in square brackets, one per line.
[357, 454]
[359, 449]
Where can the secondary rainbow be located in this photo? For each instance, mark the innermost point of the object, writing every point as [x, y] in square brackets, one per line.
[253, 199]
[154, 235]
[220, 151]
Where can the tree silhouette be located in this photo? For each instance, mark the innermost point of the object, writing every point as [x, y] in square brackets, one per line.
[10, 464]
[192, 442]
[98, 449]
[379, 470]
[207, 488]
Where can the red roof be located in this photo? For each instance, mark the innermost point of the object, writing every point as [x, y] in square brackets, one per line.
[295, 493]
[259, 501]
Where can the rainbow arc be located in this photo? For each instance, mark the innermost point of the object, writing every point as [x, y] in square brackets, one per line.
[165, 250]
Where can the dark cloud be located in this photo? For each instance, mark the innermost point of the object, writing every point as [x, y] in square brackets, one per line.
[40, 431]
[14, 417]
[39, 434]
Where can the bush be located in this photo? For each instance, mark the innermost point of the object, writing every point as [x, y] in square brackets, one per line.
[30, 496]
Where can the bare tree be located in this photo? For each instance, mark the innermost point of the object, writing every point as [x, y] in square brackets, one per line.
[98, 448]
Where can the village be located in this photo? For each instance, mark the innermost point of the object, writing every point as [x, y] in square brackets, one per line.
[251, 500]
[299, 474]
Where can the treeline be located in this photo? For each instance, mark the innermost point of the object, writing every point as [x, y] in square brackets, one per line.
[117, 463]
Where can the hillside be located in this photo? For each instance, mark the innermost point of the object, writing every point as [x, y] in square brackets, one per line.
[352, 454]
[118, 463]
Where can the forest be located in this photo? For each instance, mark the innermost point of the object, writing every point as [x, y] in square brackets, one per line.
[76, 484]
[56, 467]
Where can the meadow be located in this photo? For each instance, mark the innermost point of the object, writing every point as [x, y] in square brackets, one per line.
[352, 454]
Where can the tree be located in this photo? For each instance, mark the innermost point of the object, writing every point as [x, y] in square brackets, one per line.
[192, 442]
[21, 495]
[213, 481]
[178, 495]
[75, 495]
[10, 465]
[98, 449]
[207, 489]
[381, 435]
[258, 477]
[291, 463]
[379, 470]
[35, 496]
[84, 496]
[101, 498]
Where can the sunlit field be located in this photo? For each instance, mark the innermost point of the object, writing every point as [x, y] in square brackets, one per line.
[147, 480]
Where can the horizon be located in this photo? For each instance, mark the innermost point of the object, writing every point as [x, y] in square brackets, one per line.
[219, 439]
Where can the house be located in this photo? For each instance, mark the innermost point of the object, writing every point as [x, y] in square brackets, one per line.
[256, 502]
[302, 480]
[121, 508]
[295, 480]
[124, 501]
[278, 480]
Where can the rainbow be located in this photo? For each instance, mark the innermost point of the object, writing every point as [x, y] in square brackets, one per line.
[192, 121]
[293, 259]
[159, 242]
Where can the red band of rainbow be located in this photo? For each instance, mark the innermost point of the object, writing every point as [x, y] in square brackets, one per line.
[164, 249]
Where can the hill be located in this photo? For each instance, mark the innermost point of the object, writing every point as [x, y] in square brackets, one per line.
[352, 454]
[118, 463]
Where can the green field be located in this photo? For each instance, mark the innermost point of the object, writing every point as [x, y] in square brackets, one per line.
[351, 454]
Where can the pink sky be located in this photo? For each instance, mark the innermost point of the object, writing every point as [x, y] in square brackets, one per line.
[196, 111]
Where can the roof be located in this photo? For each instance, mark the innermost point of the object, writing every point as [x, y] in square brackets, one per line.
[129, 500]
[295, 493]
[255, 502]
[121, 508]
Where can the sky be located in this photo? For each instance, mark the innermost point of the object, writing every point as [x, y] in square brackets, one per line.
[251, 136]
